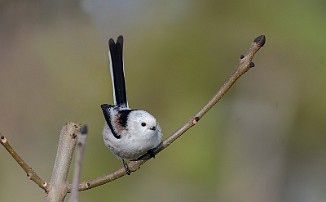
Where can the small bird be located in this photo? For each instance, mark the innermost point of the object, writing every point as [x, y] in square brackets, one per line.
[128, 133]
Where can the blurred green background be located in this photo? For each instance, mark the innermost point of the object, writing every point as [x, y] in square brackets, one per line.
[264, 141]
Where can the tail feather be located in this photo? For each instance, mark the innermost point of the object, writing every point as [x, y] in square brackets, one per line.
[117, 72]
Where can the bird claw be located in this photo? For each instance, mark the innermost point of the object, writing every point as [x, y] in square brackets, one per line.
[151, 153]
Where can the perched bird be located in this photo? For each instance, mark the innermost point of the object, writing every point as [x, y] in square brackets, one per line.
[128, 133]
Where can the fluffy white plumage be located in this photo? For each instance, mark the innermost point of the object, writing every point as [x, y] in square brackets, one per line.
[136, 139]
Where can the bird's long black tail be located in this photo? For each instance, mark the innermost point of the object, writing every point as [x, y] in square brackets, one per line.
[117, 72]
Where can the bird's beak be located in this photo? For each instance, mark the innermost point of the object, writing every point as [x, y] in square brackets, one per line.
[153, 128]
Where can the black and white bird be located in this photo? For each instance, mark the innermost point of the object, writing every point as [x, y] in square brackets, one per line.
[128, 133]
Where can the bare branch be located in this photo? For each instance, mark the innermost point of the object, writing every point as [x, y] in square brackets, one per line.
[31, 174]
[58, 186]
[67, 142]
[244, 65]
[81, 144]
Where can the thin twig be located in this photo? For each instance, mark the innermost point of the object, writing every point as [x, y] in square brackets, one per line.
[244, 65]
[67, 142]
[31, 174]
[81, 144]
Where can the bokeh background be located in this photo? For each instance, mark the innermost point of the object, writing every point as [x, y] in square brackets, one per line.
[264, 141]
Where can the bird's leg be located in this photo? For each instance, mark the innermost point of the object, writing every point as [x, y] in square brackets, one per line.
[125, 165]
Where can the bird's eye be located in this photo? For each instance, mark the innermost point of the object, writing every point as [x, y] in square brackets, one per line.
[143, 124]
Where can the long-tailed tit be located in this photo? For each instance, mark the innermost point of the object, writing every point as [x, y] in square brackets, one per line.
[128, 133]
